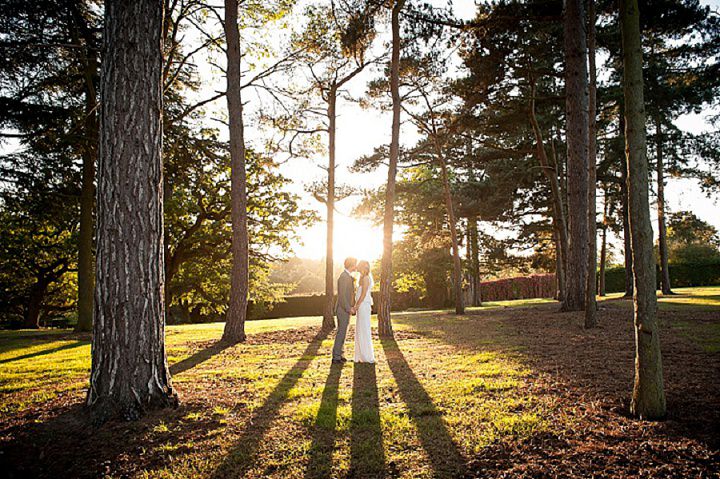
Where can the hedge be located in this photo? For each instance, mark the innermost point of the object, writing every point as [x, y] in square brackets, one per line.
[522, 287]
[533, 286]
[314, 305]
[681, 275]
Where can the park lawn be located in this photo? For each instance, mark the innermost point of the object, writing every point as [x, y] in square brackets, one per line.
[705, 333]
[36, 366]
[508, 389]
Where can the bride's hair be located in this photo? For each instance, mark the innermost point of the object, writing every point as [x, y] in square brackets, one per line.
[364, 267]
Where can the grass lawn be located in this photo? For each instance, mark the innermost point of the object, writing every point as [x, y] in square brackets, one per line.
[512, 389]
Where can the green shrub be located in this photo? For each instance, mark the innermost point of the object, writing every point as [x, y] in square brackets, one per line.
[681, 275]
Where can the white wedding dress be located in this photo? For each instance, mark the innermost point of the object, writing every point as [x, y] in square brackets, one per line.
[363, 339]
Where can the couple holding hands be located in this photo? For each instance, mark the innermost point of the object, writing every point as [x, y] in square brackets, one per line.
[354, 301]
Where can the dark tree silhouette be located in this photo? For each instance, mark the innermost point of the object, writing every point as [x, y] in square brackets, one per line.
[384, 321]
[237, 311]
[576, 107]
[648, 399]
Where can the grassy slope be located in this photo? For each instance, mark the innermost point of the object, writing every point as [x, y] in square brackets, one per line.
[447, 388]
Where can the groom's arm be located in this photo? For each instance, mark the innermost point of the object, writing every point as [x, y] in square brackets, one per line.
[345, 296]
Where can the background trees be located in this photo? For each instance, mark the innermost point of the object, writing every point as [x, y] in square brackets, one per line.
[49, 133]
[49, 99]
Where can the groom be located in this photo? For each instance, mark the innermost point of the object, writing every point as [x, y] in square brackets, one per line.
[344, 308]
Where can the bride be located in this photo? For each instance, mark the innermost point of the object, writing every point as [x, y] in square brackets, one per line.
[363, 304]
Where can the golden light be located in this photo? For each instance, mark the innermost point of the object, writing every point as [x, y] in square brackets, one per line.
[353, 237]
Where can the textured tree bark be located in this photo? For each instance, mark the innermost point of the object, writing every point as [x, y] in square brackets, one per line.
[627, 243]
[237, 311]
[662, 232]
[603, 248]
[86, 272]
[576, 107]
[329, 315]
[129, 368]
[648, 399]
[452, 226]
[591, 288]
[474, 250]
[559, 266]
[384, 320]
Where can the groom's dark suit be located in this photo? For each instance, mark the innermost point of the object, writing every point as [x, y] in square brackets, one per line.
[345, 302]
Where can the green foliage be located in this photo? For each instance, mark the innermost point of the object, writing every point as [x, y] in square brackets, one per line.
[705, 273]
[199, 233]
[686, 228]
[692, 240]
[38, 226]
[42, 105]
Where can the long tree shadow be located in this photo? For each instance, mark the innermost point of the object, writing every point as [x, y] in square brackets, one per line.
[199, 357]
[323, 444]
[239, 458]
[367, 454]
[442, 450]
[46, 351]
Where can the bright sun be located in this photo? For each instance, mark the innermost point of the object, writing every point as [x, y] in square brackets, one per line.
[353, 237]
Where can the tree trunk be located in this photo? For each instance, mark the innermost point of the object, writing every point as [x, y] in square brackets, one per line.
[627, 243]
[36, 296]
[129, 367]
[452, 226]
[662, 232]
[558, 210]
[559, 267]
[591, 288]
[86, 271]
[603, 247]
[648, 400]
[384, 320]
[170, 266]
[576, 106]
[329, 315]
[474, 250]
[237, 311]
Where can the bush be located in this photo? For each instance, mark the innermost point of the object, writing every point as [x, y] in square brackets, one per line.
[681, 275]
[522, 287]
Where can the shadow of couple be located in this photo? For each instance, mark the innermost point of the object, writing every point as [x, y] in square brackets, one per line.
[365, 427]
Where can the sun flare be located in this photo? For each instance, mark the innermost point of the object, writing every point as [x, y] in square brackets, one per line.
[353, 237]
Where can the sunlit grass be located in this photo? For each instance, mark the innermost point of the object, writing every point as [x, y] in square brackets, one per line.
[705, 298]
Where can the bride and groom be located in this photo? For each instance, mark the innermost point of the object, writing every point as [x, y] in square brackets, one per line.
[354, 301]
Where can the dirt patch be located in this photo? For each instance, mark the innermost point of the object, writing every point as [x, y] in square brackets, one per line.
[590, 374]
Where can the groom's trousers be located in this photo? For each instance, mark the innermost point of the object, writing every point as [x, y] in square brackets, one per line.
[343, 320]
